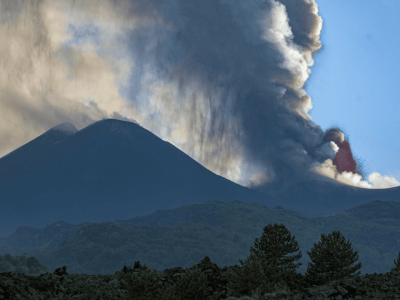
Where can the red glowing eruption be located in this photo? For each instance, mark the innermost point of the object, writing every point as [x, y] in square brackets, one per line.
[344, 160]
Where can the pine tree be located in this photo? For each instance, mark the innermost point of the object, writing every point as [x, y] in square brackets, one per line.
[275, 242]
[331, 259]
[397, 264]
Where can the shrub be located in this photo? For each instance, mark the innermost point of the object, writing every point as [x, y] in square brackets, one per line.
[192, 285]
[331, 259]
[146, 284]
[255, 277]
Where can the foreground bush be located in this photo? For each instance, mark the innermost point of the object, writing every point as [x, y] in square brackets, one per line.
[256, 276]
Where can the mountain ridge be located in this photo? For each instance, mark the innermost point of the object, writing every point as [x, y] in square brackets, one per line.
[229, 228]
[116, 169]
[109, 170]
[313, 198]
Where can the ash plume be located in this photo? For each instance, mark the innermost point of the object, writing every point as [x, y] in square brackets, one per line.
[221, 80]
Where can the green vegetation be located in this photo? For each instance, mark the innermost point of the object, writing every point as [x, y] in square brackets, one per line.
[21, 264]
[256, 278]
[104, 248]
[193, 285]
[332, 259]
[263, 271]
[276, 242]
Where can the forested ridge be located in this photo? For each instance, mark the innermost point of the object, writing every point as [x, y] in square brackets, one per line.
[223, 231]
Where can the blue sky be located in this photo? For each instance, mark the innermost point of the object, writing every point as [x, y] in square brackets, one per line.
[354, 81]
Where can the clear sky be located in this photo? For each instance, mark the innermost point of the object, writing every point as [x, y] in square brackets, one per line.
[355, 78]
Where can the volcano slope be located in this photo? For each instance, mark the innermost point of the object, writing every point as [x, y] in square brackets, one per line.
[109, 170]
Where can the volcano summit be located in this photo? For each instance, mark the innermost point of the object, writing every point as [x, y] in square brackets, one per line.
[109, 170]
[115, 169]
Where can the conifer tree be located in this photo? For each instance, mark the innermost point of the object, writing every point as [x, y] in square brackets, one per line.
[276, 241]
[331, 259]
[397, 264]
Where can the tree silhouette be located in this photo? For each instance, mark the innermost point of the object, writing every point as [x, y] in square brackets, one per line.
[331, 259]
[397, 264]
[276, 241]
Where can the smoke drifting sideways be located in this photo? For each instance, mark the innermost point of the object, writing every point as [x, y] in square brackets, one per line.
[221, 80]
[343, 167]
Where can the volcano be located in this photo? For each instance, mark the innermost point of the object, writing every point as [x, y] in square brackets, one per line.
[117, 170]
[109, 170]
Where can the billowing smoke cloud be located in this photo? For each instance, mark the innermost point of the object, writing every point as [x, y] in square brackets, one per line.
[52, 69]
[343, 160]
[222, 80]
[343, 167]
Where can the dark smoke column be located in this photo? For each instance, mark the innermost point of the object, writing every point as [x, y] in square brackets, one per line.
[344, 160]
[239, 69]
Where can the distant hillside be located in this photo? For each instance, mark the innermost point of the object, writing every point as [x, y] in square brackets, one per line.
[184, 236]
[375, 210]
[318, 196]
